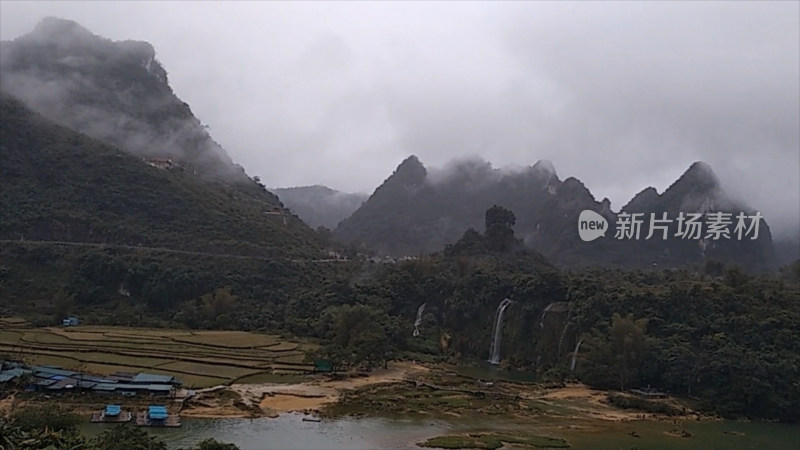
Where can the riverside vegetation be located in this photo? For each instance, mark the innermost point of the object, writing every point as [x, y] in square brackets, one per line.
[723, 337]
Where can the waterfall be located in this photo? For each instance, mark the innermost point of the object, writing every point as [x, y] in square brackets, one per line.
[418, 321]
[563, 332]
[574, 355]
[494, 353]
[544, 313]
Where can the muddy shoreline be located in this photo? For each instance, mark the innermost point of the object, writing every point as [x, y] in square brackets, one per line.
[404, 388]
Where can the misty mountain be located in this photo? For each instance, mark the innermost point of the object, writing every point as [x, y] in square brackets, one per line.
[417, 211]
[320, 205]
[60, 185]
[117, 92]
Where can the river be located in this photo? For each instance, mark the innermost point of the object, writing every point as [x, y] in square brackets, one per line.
[289, 431]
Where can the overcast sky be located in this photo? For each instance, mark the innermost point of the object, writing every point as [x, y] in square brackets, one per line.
[620, 95]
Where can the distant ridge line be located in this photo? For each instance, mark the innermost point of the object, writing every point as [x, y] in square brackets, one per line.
[170, 250]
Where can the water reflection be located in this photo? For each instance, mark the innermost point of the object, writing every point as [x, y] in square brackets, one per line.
[289, 431]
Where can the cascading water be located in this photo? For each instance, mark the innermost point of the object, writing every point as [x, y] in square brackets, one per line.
[563, 333]
[418, 321]
[494, 353]
[574, 355]
[544, 313]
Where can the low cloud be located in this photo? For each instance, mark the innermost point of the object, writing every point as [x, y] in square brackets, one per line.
[620, 95]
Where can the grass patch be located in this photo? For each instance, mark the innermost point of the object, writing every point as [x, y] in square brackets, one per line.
[44, 337]
[214, 370]
[492, 441]
[448, 402]
[106, 358]
[10, 337]
[282, 347]
[296, 371]
[270, 377]
[642, 404]
[202, 358]
[52, 360]
[231, 339]
[13, 322]
[293, 367]
[298, 358]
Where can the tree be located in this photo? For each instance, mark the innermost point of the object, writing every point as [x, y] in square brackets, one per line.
[628, 342]
[499, 232]
[18, 438]
[357, 334]
[614, 358]
[128, 437]
[51, 417]
[213, 444]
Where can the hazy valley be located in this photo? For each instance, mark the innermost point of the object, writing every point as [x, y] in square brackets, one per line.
[463, 291]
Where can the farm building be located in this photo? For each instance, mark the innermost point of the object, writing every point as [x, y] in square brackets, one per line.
[149, 378]
[133, 389]
[12, 373]
[160, 163]
[53, 379]
[323, 365]
[70, 322]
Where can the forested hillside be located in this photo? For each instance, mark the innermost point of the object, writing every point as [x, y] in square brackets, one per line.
[60, 185]
[722, 337]
[417, 211]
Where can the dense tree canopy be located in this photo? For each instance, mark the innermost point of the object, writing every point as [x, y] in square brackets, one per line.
[724, 337]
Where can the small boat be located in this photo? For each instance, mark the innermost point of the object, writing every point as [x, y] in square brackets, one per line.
[113, 414]
[312, 419]
[157, 416]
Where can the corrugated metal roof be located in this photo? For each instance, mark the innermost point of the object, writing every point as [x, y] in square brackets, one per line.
[132, 387]
[47, 372]
[6, 377]
[14, 372]
[157, 412]
[153, 378]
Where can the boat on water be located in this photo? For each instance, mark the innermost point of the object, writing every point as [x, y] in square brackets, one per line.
[157, 416]
[111, 414]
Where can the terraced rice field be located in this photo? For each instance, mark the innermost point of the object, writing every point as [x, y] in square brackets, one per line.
[198, 358]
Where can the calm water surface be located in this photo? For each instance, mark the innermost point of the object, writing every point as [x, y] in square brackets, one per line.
[289, 432]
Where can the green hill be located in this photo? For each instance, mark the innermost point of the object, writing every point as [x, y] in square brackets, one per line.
[60, 185]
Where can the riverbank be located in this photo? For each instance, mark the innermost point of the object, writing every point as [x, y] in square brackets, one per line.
[271, 399]
[404, 388]
[435, 406]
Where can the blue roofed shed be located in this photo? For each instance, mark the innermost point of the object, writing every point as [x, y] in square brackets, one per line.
[157, 412]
